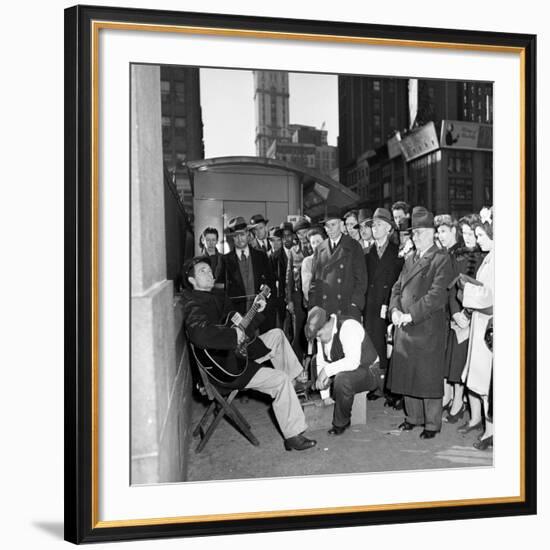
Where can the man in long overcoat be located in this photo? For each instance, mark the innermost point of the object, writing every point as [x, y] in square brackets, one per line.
[245, 270]
[339, 278]
[418, 310]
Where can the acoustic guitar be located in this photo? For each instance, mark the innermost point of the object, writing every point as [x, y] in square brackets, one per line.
[225, 366]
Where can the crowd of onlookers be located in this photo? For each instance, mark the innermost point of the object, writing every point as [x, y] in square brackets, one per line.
[421, 285]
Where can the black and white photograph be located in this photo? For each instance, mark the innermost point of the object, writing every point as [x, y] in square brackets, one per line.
[312, 274]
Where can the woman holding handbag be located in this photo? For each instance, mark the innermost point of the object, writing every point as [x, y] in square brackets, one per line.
[477, 295]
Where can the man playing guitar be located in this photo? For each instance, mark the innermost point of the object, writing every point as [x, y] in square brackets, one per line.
[205, 310]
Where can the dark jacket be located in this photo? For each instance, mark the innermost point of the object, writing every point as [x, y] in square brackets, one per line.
[382, 274]
[339, 279]
[234, 285]
[203, 315]
[418, 360]
[293, 274]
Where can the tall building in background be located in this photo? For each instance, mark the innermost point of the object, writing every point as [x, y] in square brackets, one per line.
[182, 128]
[371, 109]
[276, 138]
[271, 108]
[453, 100]
[427, 142]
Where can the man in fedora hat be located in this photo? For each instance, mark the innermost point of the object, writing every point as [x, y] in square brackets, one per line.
[339, 278]
[293, 285]
[418, 309]
[205, 309]
[364, 225]
[383, 269]
[258, 225]
[346, 358]
[245, 270]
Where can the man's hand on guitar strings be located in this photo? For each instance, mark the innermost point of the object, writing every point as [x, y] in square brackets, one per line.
[241, 336]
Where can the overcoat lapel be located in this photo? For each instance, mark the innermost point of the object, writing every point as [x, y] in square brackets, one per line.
[340, 251]
[417, 267]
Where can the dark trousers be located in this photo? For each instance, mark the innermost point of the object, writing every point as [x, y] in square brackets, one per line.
[346, 384]
[299, 343]
[424, 412]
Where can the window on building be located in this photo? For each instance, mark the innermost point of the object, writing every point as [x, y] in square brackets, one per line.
[376, 104]
[180, 126]
[376, 120]
[164, 90]
[166, 121]
[180, 92]
[376, 85]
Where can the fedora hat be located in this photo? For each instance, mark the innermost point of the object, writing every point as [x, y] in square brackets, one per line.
[422, 218]
[384, 215]
[316, 319]
[256, 219]
[286, 225]
[236, 224]
[332, 214]
[301, 223]
[365, 216]
[275, 232]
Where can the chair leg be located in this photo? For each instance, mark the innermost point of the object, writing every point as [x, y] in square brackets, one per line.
[204, 418]
[225, 409]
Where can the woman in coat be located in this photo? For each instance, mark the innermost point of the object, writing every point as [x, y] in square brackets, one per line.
[466, 258]
[477, 373]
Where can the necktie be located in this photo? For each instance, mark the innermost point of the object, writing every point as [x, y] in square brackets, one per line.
[243, 256]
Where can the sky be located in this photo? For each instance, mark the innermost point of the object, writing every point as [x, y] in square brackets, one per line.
[227, 100]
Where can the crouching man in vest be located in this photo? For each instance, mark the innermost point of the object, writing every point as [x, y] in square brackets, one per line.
[346, 357]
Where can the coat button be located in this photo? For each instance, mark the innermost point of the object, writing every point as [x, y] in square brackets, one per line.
[339, 297]
[325, 297]
[341, 266]
[339, 280]
[339, 312]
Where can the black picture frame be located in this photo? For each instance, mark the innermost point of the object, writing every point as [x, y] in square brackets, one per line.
[80, 494]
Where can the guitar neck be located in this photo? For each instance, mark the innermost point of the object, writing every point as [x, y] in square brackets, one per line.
[249, 316]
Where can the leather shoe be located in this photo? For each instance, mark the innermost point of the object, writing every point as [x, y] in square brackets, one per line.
[405, 426]
[466, 428]
[428, 434]
[299, 443]
[454, 418]
[484, 444]
[338, 430]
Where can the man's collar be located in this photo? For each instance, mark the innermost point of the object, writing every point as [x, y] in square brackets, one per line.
[239, 251]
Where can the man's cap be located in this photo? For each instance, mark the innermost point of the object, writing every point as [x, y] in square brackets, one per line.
[236, 224]
[316, 319]
[256, 219]
[422, 218]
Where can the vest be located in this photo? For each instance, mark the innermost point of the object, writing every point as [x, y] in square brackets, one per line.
[368, 351]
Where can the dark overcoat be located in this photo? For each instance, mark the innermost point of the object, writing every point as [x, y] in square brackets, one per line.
[203, 315]
[339, 279]
[234, 285]
[418, 360]
[382, 274]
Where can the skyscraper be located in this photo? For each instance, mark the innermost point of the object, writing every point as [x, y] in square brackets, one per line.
[271, 108]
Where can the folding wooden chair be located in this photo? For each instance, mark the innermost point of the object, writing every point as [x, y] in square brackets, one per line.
[221, 404]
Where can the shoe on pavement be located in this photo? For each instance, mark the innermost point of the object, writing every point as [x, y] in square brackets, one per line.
[299, 443]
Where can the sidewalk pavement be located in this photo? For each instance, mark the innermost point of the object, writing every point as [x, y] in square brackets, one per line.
[377, 446]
